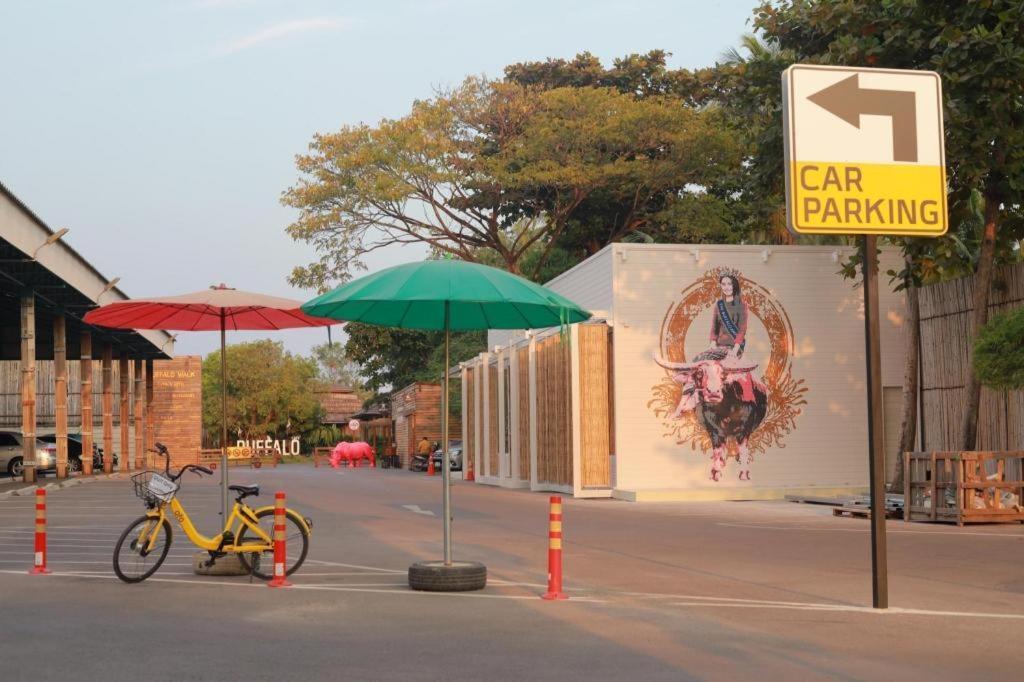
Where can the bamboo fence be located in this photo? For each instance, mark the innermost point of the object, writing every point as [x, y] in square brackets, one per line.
[945, 339]
[46, 408]
[469, 419]
[523, 379]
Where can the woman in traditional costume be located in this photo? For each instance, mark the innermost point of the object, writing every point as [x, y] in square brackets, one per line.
[729, 326]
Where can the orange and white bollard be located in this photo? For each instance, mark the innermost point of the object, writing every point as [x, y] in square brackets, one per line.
[279, 579]
[39, 566]
[555, 551]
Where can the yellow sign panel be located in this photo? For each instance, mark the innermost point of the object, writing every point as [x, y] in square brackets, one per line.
[864, 152]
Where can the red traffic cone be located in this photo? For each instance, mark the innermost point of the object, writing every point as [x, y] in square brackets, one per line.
[430, 467]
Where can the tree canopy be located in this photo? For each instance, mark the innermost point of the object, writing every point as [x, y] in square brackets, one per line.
[498, 167]
[334, 366]
[269, 392]
[999, 351]
[391, 359]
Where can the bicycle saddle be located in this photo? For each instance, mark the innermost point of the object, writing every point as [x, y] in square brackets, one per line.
[245, 490]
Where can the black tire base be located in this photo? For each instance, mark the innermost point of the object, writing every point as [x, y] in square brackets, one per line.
[434, 576]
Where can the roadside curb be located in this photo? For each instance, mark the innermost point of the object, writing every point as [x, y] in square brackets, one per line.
[57, 485]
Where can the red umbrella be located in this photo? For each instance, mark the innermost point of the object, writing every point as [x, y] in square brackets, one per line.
[211, 309]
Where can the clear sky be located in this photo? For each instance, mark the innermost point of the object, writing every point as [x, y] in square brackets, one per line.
[162, 132]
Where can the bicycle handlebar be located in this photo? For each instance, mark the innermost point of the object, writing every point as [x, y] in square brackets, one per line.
[161, 449]
[191, 467]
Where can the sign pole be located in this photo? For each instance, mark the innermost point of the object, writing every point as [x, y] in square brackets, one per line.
[876, 448]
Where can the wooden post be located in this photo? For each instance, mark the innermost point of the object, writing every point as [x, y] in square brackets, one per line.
[85, 370]
[139, 418]
[108, 408]
[150, 417]
[28, 385]
[124, 411]
[60, 392]
[876, 440]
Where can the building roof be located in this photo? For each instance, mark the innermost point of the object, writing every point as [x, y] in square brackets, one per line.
[32, 257]
[340, 404]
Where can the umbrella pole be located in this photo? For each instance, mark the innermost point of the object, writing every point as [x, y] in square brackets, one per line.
[223, 418]
[446, 464]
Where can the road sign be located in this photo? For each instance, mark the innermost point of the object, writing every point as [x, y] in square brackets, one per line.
[864, 151]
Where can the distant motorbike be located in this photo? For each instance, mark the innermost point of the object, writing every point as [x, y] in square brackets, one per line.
[419, 462]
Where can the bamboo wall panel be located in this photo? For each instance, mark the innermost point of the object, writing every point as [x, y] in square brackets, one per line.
[469, 410]
[946, 310]
[540, 401]
[595, 448]
[138, 413]
[417, 413]
[492, 416]
[611, 390]
[10, 409]
[60, 366]
[554, 421]
[107, 413]
[125, 445]
[523, 425]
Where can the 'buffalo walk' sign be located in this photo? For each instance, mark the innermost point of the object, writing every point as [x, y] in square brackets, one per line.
[864, 152]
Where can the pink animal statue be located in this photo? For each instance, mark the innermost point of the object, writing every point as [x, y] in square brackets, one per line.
[352, 453]
[365, 451]
[340, 453]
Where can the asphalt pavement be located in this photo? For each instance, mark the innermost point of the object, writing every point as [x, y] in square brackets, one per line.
[669, 591]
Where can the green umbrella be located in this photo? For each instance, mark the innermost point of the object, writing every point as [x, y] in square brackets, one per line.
[449, 295]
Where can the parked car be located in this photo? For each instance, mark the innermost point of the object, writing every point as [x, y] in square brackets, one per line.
[75, 451]
[455, 454]
[11, 454]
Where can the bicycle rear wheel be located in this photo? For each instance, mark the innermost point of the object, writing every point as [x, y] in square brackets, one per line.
[296, 544]
[132, 563]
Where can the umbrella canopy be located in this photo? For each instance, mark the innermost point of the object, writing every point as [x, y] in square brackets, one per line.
[204, 310]
[454, 296]
[217, 308]
[417, 296]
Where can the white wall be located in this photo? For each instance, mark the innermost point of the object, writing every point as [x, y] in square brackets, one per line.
[588, 285]
[827, 446]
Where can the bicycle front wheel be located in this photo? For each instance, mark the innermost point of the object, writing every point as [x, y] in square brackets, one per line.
[133, 561]
[261, 564]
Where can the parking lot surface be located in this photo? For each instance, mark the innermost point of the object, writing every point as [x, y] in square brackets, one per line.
[658, 591]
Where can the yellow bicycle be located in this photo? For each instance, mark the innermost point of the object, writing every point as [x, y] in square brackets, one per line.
[248, 532]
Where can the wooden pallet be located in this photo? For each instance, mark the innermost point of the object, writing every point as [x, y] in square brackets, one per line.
[864, 512]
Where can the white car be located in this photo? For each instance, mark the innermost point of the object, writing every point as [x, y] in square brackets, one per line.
[11, 454]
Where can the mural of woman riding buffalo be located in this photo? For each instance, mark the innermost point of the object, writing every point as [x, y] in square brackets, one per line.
[727, 401]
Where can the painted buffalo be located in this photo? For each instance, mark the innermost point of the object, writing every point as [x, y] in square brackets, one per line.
[728, 402]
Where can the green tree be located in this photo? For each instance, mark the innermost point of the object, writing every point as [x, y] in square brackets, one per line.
[689, 205]
[978, 48]
[335, 367]
[270, 392]
[391, 359]
[498, 167]
[999, 352]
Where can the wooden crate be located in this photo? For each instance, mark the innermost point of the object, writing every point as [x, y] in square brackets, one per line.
[964, 487]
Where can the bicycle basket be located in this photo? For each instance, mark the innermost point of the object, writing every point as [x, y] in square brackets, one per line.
[153, 487]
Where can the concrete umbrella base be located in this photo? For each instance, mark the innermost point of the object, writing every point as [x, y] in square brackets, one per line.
[460, 576]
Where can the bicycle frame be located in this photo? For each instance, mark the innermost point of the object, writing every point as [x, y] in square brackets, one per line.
[241, 516]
